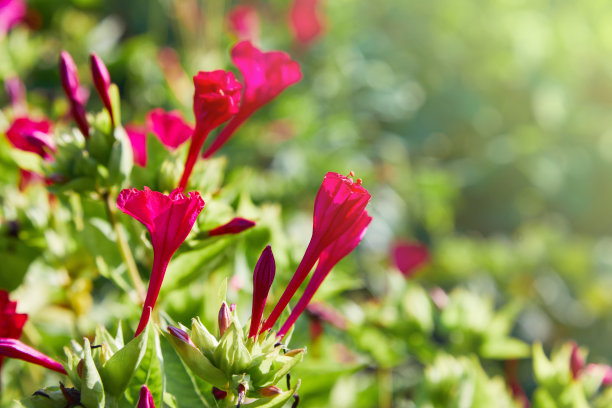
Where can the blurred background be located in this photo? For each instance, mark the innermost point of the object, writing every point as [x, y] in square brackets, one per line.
[482, 130]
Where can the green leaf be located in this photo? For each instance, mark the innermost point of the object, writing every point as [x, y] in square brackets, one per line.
[504, 348]
[92, 391]
[27, 160]
[55, 399]
[120, 368]
[188, 390]
[150, 372]
[121, 158]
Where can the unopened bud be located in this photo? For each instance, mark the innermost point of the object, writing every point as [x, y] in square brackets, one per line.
[224, 318]
[102, 81]
[218, 394]
[234, 226]
[270, 391]
[180, 334]
[294, 352]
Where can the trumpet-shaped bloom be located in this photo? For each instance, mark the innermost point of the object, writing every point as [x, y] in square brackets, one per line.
[77, 96]
[328, 259]
[305, 21]
[169, 127]
[13, 348]
[263, 276]
[215, 100]
[339, 208]
[265, 74]
[243, 20]
[408, 257]
[145, 399]
[32, 136]
[169, 219]
[234, 226]
[102, 81]
[138, 139]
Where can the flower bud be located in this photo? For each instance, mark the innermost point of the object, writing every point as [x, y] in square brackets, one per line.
[102, 81]
[225, 318]
[270, 391]
[180, 334]
[218, 394]
[263, 276]
[234, 226]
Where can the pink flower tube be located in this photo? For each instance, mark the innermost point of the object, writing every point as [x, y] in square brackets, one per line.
[234, 226]
[339, 207]
[76, 95]
[169, 219]
[13, 348]
[216, 100]
[145, 399]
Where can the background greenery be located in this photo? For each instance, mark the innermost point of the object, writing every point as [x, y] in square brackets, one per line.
[480, 128]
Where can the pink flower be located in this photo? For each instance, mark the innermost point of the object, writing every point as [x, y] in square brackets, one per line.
[32, 136]
[243, 20]
[27, 178]
[169, 220]
[266, 74]
[138, 139]
[409, 257]
[145, 399]
[234, 226]
[305, 21]
[102, 81]
[11, 322]
[11, 13]
[215, 100]
[339, 212]
[263, 276]
[15, 349]
[169, 127]
[601, 369]
[77, 96]
[343, 246]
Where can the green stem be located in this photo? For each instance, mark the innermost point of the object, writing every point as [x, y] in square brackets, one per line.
[384, 388]
[124, 248]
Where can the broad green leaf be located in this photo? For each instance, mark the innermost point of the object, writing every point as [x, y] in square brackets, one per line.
[150, 372]
[27, 160]
[118, 371]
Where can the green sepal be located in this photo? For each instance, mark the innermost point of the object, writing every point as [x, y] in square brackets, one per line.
[92, 391]
[121, 158]
[197, 362]
[273, 368]
[203, 339]
[54, 399]
[115, 99]
[120, 368]
[504, 348]
[277, 401]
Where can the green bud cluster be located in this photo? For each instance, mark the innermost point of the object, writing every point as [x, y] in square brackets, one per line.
[235, 363]
[100, 373]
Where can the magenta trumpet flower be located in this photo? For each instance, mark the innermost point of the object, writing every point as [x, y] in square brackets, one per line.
[13, 348]
[169, 219]
[328, 259]
[32, 136]
[216, 100]
[409, 257]
[102, 81]
[145, 399]
[234, 226]
[76, 95]
[339, 207]
[263, 276]
[266, 75]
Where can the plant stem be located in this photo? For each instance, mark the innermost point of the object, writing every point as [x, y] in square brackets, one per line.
[124, 248]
